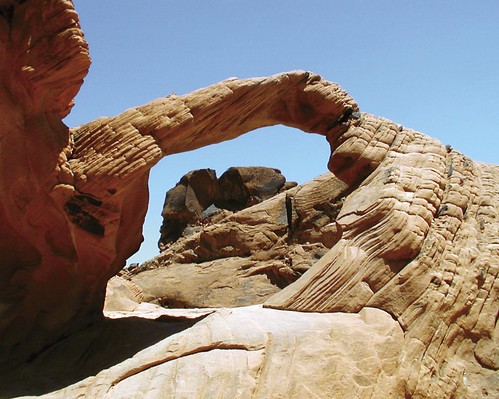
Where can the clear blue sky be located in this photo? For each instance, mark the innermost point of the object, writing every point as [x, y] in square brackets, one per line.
[429, 65]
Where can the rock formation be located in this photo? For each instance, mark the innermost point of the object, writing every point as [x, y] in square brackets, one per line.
[199, 194]
[239, 258]
[408, 286]
[73, 201]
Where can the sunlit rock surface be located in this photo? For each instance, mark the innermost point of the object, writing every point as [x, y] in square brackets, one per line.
[243, 257]
[246, 352]
[73, 201]
[403, 301]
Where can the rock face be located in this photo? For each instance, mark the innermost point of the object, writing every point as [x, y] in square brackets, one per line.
[199, 194]
[407, 286]
[232, 353]
[243, 257]
[73, 201]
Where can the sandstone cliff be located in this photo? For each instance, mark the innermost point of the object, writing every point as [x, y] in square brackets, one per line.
[73, 201]
[402, 302]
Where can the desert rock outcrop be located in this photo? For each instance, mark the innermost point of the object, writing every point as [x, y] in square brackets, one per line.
[74, 200]
[200, 193]
[403, 303]
[242, 257]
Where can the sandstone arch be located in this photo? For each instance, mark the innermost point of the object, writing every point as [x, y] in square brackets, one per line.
[74, 200]
[419, 222]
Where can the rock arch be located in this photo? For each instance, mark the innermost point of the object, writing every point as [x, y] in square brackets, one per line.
[419, 224]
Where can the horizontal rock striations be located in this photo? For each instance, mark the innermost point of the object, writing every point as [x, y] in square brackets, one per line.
[420, 242]
[241, 257]
[402, 302]
[73, 201]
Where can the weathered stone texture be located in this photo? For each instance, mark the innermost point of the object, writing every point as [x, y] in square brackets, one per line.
[242, 258]
[199, 194]
[419, 241]
[232, 353]
[403, 302]
[73, 201]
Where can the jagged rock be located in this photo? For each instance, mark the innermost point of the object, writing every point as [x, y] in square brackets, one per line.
[242, 258]
[199, 194]
[185, 203]
[242, 186]
[419, 240]
[408, 290]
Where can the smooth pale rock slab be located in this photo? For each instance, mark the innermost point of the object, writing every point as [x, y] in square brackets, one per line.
[223, 281]
[250, 352]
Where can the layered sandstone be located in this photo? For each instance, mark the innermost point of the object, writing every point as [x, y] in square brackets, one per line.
[73, 201]
[440, 287]
[242, 257]
[407, 289]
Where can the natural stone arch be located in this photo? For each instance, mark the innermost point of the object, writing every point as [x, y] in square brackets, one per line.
[419, 224]
[300, 158]
[73, 200]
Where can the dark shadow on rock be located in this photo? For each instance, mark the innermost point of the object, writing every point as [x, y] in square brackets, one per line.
[87, 352]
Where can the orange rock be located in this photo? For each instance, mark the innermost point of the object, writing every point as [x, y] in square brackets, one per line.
[414, 249]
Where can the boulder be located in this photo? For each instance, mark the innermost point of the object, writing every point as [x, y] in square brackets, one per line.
[244, 186]
[243, 257]
[199, 194]
[185, 203]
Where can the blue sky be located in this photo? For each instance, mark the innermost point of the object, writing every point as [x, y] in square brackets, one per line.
[429, 65]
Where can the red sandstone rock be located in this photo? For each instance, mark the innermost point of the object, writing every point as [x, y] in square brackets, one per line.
[73, 201]
[418, 243]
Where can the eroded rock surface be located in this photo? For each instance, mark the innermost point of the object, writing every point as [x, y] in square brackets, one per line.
[420, 241]
[411, 232]
[232, 353]
[243, 257]
[199, 194]
[73, 201]
[416, 238]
